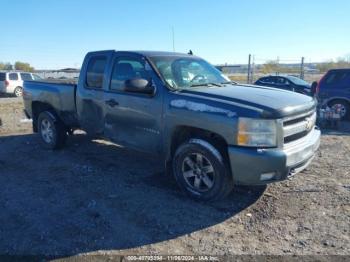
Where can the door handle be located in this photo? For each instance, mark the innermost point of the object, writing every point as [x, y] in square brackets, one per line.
[112, 103]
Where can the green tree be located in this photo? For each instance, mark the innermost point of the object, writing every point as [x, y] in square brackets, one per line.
[5, 66]
[341, 62]
[23, 67]
[270, 67]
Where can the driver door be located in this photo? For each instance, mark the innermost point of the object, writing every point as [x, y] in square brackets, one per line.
[132, 119]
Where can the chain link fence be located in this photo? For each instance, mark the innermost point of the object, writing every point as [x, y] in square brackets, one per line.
[258, 67]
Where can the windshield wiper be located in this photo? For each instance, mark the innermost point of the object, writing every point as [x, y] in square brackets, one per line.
[207, 84]
[229, 83]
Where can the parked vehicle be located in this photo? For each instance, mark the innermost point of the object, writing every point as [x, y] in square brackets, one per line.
[12, 82]
[185, 112]
[291, 83]
[333, 90]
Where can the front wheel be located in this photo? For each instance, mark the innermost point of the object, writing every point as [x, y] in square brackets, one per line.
[52, 131]
[200, 171]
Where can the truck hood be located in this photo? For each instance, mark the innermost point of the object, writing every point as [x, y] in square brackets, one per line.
[273, 102]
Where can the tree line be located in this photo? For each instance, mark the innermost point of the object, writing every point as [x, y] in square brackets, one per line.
[343, 62]
[21, 66]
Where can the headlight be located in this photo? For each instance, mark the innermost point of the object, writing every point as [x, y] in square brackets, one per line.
[256, 132]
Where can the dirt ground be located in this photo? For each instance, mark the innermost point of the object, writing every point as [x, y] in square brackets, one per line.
[94, 197]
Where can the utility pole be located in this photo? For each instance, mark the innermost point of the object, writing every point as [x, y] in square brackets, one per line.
[173, 34]
[249, 68]
[302, 68]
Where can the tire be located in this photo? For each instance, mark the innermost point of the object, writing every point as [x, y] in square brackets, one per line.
[18, 92]
[200, 171]
[52, 131]
[345, 108]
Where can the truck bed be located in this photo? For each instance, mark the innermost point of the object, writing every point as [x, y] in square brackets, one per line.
[60, 96]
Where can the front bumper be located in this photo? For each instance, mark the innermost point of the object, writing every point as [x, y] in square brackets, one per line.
[248, 164]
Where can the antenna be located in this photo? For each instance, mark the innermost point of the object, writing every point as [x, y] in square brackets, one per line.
[173, 34]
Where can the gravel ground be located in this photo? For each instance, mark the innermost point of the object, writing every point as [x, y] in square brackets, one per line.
[94, 197]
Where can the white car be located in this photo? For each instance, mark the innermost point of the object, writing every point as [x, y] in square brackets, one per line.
[12, 82]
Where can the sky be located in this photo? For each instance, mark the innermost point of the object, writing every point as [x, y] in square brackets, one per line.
[52, 34]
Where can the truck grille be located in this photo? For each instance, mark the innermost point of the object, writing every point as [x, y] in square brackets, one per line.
[297, 127]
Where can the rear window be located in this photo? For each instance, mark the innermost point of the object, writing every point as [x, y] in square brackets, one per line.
[337, 77]
[95, 71]
[2, 76]
[13, 76]
[26, 77]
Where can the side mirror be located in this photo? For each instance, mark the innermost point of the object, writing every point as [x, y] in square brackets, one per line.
[139, 85]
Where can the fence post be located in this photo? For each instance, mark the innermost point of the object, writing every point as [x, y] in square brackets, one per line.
[253, 70]
[249, 68]
[302, 68]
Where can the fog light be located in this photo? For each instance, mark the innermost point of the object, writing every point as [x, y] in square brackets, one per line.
[267, 176]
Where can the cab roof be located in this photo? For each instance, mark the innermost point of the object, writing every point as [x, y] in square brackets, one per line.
[146, 53]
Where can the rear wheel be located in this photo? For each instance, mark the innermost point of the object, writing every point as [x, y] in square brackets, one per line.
[200, 171]
[18, 91]
[52, 131]
[342, 107]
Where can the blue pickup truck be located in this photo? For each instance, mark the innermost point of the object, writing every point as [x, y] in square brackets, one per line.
[209, 132]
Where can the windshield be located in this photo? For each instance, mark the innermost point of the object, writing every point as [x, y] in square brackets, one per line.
[188, 72]
[298, 81]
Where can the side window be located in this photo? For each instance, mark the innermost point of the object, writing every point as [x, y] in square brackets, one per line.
[13, 76]
[268, 80]
[337, 77]
[95, 72]
[2, 76]
[265, 80]
[281, 81]
[36, 77]
[26, 77]
[127, 68]
[273, 80]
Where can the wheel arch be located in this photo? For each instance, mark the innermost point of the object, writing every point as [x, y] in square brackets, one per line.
[329, 101]
[182, 133]
[37, 108]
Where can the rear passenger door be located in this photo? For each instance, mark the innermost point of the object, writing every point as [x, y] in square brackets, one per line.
[132, 119]
[89, 99]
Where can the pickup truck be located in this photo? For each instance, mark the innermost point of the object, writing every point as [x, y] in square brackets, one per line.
[209, 132]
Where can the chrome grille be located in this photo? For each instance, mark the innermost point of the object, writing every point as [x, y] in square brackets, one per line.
[297, 127]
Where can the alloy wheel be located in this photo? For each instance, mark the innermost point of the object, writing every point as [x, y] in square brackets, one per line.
[198, 172]
[47, 131]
